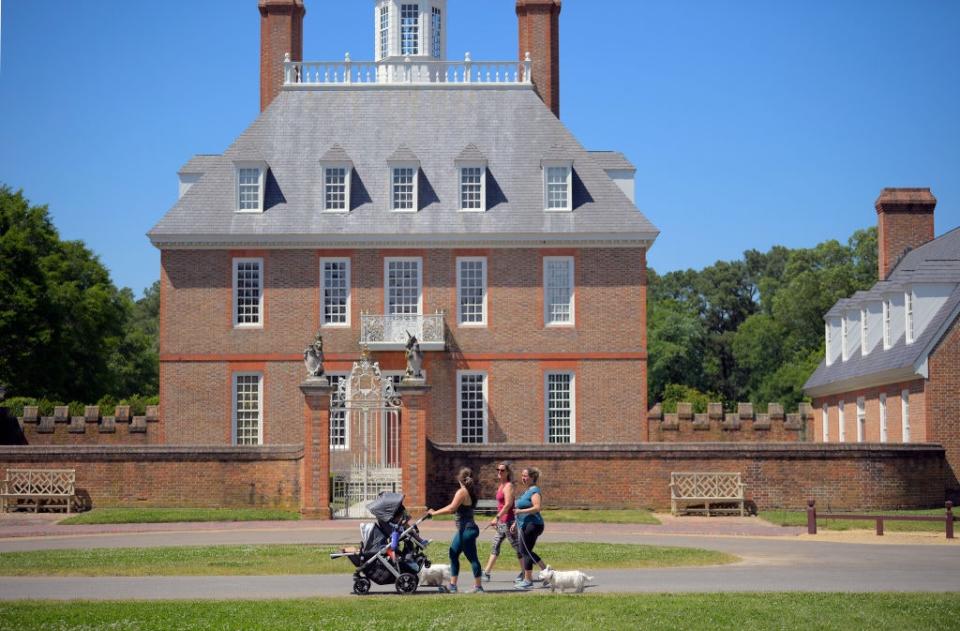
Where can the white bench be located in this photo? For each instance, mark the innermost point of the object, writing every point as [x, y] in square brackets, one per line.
[53, 487]
[693, 489]
[486, 507]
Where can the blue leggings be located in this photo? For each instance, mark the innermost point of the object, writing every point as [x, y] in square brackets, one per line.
[465, 541]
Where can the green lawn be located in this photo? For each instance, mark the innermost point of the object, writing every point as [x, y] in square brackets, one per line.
[166, 515]
[799, 518]
[576, 516]
[256, 560]
[650, 612]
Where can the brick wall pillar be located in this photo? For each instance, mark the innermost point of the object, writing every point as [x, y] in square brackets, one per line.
[413, 442]
[281, 32]
[539, 35]
[904, 222]
[315, 480]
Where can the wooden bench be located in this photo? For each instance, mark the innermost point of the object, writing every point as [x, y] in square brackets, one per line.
[486, 507]
[26, 487]
[689, 490]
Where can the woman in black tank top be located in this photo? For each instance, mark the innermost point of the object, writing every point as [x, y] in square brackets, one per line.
[465, 540]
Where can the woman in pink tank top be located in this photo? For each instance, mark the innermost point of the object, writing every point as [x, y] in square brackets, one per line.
[504, 517]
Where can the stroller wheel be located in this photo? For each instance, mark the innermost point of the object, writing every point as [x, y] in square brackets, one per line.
[407, 583]
[361, 586]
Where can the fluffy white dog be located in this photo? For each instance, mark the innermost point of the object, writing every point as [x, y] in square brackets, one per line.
[574, 579]
[437, 575]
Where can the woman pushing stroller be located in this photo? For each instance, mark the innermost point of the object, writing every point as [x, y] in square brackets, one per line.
[465, 540]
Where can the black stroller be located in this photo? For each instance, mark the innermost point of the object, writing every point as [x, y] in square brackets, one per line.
[391, 550]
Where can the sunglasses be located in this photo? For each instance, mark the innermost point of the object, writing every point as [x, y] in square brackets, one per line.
[501, 470]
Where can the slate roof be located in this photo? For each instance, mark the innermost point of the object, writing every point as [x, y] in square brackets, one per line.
[512, 128]
[199, 163]
[335, 154]
[612, 161]
[935, 262]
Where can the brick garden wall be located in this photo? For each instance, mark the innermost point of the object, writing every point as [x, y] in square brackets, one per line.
[777, 475]
[173, 476]
[715, 425]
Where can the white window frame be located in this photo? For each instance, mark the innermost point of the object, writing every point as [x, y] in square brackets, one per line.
[905, 415]
[234, 429]
[841, 416]
[383, 31]
[887, 323]
[844, 347]
[573, 405]
[864, 330]
[386, 278]
[235, 265]
[547, 165]
[436, 32]
[347, 175]
[323, 293]
[827, 335]
[415, 167]
[825, 423]
[483, 309]
[573, 292]
[483, 186]
[418, 26]
[908, 315]
[346, 423]
[486, 406]
[884, 436]
[261, 168]
[861, 419]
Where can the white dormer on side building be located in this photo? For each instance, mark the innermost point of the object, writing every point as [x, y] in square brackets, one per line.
[851, 332]
[871, 326]
[410, 28]
[928, 298]
[834, 345]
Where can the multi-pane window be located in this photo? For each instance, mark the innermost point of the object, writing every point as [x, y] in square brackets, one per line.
[845, 354]
[403, 286]
[842, 415]
[403, 188]
[864, 331]
[384, 31]
[905, 414]
[435, 31]
[409, 29]
[558, 289]
[883, 418]
[472, 407]
[908, 309]
[248, 188]
[471, 290]
[825, 423]
[335, 292]
[826, 329]
[339, 436]
[861, 419]
[247, 419]
[558, 189]
[247, 292]
[335, 188]
[559, 407]
[471, 188]
[887, 315]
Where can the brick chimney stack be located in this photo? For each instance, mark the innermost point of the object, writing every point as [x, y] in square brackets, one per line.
[281, 32]
[904, 222]
[539, 22]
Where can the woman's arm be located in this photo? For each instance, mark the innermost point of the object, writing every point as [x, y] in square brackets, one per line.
[452, 507]
[535, 500]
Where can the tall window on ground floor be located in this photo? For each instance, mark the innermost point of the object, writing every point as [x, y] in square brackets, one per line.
[841, 413]
[335, 292]
[560, 407]
[883, 418]
[825, 423]
[472, 407]
[861, 419]
[339, 432]
[247, 409]
[905, 414]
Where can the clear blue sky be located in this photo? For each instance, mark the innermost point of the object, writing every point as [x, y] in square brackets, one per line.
[751, 123]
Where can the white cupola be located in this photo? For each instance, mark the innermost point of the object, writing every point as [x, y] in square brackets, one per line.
[410, 28]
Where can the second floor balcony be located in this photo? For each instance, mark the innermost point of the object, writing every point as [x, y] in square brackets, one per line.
[390, 332]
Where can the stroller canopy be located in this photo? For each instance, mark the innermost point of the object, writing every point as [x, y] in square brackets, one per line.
[386, 506]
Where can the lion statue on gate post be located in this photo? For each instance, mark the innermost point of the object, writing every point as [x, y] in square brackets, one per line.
[414, 359]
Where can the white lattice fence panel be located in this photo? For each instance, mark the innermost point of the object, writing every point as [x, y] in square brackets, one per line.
[40, 482]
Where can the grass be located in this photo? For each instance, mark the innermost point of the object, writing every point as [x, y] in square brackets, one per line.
[578, 516]
[259, 560]
[799, 518]
[651, 612]
[167, 515]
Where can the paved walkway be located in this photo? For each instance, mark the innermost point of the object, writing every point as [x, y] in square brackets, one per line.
[773, 559]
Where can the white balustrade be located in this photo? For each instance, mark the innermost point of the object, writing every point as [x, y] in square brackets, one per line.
[466, 73]
[389, 332]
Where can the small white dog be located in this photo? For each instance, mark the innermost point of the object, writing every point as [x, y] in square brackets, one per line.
[437, 575]
[574, 579]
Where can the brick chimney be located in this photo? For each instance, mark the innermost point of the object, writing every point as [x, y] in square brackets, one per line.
[281, 32]
[904, 222]
[539, 22]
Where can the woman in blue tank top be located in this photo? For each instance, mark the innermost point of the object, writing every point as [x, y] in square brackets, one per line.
[529, 524]
[465, 540]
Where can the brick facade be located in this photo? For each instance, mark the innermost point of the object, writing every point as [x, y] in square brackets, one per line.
[904, 222]
[776, 475]
[943, 405]
[538, 23]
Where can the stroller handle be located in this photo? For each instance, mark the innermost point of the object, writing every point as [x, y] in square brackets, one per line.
[422, 519]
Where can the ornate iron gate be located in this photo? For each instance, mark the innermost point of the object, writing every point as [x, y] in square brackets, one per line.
[364, 440]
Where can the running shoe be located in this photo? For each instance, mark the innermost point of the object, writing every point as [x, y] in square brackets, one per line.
[524, 585]
[477, 590]
[451, 588]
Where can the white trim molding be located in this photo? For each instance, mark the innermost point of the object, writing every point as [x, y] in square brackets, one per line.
[551, 319]
[571, 406]
[323, 292]
[235, 389]
[461, 261]
[562, 198]
[235, 266]
[245, 200]
[485, 397]
[386, 278]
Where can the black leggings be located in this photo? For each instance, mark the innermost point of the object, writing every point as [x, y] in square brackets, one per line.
[528, 539]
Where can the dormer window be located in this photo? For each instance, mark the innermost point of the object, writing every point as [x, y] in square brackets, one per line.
[826, 329]
[337, 170]
[251, 177]
[472, 176]
[844, 347]
[558, 185]
[404, 176]
[908, 311]
[887, 316]
[864, 331]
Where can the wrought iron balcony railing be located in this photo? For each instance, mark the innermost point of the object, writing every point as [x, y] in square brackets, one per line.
[390, 332]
